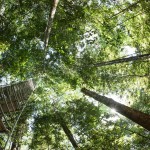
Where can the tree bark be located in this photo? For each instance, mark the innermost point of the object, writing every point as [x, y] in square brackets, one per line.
[123, 60]
[14, 146]
[132, 114]
[49, 24]
[68, 133]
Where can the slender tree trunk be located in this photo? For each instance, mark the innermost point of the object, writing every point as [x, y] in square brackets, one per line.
[127, 8]
[49, 24]
[68, 133]
[134, 115]
[118, 61]
[48, 29]
[48, 147]
[14, 146]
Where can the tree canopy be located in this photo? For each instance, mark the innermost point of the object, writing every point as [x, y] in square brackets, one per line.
[66, 45]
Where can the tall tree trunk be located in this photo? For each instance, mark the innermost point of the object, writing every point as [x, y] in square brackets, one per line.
[48, 147]
[48, 29]
[118, 61]
[134, 115]
[49, 24]
[14, 146]
[127, 8]
[68, 132]
[1, 148]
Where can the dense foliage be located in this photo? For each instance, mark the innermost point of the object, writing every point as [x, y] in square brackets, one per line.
[84, 33]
